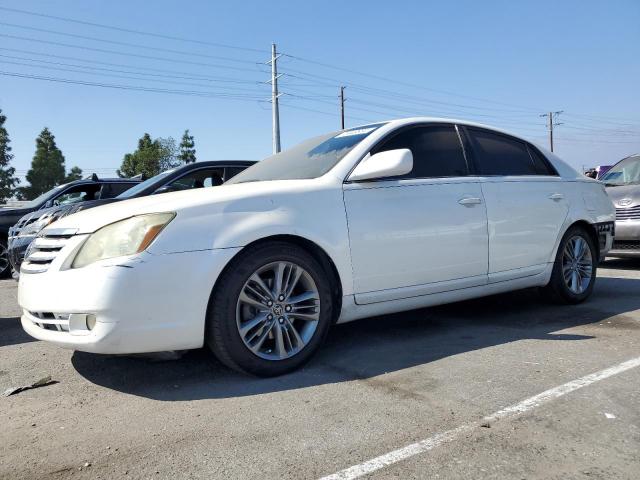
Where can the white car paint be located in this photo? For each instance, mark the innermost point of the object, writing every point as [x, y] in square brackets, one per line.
[395, 244]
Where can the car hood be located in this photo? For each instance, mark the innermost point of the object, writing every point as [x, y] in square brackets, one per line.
[210, 198]
[624, 196]
[12, 212]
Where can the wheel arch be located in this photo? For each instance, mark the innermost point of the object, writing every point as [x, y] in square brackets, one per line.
[588, 227]
[318, 253]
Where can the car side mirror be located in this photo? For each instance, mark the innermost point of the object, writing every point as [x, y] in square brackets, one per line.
[48, 204]
[391, 163]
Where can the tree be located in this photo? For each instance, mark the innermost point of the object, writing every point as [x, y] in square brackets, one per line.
[7, 180]
[47, 167]
[151, 157]
[187, 150]
[74, 174]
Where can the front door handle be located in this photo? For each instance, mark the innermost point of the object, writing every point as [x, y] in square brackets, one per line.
[556, 196]
[470, 201]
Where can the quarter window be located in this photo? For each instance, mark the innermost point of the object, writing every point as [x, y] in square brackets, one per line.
[497, 154]
[436, 150]
[540, 164]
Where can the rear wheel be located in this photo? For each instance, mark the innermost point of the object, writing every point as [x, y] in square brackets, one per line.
[270, 311]
[574, 271]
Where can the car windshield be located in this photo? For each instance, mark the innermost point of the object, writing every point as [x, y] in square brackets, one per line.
[309, 159]
[625, 172]
[36, 202]
[133, 191]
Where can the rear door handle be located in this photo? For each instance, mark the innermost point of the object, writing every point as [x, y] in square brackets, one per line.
[470, 201]
[556, 196]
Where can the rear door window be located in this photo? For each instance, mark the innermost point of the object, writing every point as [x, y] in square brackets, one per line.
[497, 154]
[436, 149]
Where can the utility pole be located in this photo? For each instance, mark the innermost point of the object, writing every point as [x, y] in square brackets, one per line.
[342, 108]
[551, 124]
[274, 99]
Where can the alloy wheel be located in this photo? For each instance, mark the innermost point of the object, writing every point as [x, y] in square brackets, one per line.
[278, 310]
[4, 259]
[577, 265]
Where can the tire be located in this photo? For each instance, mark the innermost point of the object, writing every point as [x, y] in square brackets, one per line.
[250, 336]
[563, 287]
[5, 266]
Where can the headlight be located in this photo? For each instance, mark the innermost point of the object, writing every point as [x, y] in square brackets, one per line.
[125, 237]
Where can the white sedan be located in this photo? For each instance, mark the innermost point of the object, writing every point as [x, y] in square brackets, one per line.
[367, 221]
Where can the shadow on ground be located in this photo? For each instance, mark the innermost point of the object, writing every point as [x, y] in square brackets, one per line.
[371, 347]
[11, 332]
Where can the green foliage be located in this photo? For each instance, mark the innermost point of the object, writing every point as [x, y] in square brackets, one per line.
[187, 148]
[74, 174]
[151, 157]
[8, 181]
[47, 167]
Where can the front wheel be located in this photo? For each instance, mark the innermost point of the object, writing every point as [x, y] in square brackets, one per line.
[574, 271]
[5, 266]
[270, 311]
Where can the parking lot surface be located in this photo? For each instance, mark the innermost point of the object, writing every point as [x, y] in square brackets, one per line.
[378, 385]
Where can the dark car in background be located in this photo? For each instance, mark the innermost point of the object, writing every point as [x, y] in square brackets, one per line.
[90, 188]
[622, 182]
[192, 175]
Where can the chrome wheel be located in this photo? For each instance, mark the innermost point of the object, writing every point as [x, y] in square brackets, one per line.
[577, 265]
[4, 259]
[278, 310]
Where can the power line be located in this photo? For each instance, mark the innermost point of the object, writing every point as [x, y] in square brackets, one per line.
[407, 84]
[115, 52]
[175, 82]
[236, 96]
[193, 76]
[127, 44]
[132, 31]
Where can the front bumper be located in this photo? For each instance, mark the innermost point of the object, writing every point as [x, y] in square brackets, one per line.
[143, 303]
[626, 243]
[17, 248]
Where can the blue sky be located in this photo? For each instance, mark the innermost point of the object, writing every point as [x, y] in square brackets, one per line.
[500, 62]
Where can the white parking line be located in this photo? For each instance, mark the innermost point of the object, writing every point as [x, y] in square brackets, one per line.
[519, 408]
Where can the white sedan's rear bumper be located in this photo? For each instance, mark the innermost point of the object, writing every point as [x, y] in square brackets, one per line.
[143, 303]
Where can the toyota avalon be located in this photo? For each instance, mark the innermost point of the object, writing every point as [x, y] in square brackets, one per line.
[371, 220]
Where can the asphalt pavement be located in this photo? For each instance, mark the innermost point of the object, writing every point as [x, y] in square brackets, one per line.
[399, 396]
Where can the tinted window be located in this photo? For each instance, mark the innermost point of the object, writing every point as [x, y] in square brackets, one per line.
[436, 150]
[79, 193]
[111, 190]
[197, 179]
[541, 165]
[231, 172]
[497, 154]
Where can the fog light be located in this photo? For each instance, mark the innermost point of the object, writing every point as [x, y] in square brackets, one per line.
[91, 321]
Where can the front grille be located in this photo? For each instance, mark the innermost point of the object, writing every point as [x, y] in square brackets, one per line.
[628, 213]
[50, 321]
[45, 249]
[626, 245]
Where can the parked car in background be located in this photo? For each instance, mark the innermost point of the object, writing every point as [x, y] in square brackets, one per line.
[192, 175]
[623, 186]
[367, 221]
[89, 188]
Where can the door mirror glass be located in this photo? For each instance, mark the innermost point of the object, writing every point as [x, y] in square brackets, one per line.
[391, 163]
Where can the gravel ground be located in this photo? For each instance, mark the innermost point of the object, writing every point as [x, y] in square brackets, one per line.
[377, 385]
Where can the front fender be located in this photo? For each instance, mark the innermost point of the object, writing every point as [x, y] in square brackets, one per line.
[317, 216]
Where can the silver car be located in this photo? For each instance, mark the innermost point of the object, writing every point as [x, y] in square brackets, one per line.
[623, 186]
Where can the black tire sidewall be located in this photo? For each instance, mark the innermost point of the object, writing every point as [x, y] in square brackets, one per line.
[222, 333]
[6, 273]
